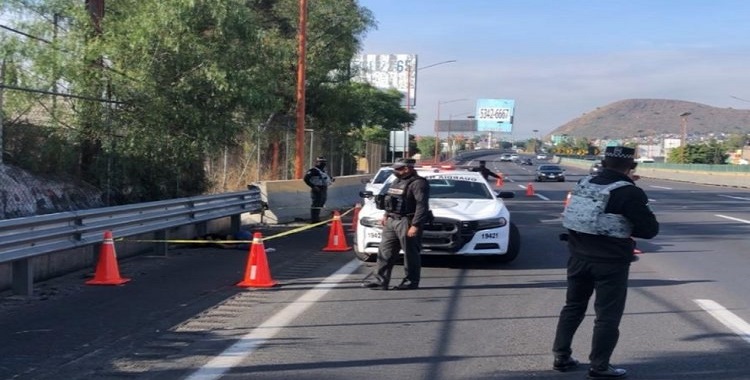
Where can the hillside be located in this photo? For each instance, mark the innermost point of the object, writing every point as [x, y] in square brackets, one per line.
[642, 117]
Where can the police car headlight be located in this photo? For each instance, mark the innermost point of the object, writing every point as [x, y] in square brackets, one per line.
[369, 222]
[486, 224]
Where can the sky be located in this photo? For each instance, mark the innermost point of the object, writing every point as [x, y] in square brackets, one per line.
[559, 59]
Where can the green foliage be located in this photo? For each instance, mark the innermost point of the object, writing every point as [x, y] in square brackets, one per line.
[185, 78]
[710, 153]
[426, 146]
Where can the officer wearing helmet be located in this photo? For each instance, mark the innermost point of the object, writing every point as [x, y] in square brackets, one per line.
[603, 213]
[318, 180]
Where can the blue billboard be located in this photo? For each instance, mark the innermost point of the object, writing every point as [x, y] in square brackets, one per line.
[495, 115]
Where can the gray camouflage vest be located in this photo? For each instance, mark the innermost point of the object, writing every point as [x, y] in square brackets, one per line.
[585, 212]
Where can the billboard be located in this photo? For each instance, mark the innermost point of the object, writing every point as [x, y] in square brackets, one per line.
[386, 71]
[495, 115]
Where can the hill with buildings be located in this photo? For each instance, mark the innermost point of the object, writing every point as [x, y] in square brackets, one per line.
[655, 117]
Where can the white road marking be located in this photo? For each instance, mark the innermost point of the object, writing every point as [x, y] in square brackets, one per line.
[726, 317]
[733, 197]
[241, 350]
[661, 187]
[541, 196]
[732, 218]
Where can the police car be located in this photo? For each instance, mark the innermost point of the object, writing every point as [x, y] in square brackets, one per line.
[377, 181]
[470, 218]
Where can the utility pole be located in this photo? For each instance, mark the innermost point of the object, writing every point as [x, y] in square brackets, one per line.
[301, 47]
[2, 96]
[684, 116]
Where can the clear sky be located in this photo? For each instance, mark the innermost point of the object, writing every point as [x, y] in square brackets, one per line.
[562, 58]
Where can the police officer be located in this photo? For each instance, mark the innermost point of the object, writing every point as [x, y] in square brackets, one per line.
[406, 211]
[486, 173]
[318, 180]
[603, 213]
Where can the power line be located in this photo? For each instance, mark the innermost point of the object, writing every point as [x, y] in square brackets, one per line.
[35, 91]
[25, 34]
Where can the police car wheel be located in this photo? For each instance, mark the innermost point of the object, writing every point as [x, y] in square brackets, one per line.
[514, 246]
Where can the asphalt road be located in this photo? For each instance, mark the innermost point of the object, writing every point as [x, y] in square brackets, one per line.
[182, 316]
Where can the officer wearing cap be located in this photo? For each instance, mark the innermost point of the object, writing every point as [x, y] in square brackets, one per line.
[406, 212]
[318, 180]
[603, 213]
[486, 173]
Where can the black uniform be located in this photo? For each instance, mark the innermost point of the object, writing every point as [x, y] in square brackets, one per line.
[318, 180]
[602, 263]
[486, 173]
[406, 206]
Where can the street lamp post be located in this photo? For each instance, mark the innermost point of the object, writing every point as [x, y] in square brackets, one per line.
[437, 123]
[408, 94]
[684, 116]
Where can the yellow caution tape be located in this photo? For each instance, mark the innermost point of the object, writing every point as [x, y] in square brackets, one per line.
[190, 241]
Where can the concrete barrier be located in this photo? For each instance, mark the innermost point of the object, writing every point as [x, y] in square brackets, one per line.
[730, 179]
[290, 199]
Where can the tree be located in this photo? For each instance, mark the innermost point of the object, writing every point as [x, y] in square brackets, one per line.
[163, 85]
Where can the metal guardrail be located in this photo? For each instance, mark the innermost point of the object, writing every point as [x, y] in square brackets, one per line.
[21, 239]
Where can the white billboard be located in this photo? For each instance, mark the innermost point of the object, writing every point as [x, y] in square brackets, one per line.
[387, 71]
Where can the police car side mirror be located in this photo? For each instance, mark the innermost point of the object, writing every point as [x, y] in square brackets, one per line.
[365, 194]
[505, 194]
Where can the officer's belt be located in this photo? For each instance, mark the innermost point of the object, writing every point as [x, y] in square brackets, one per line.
[398, 216]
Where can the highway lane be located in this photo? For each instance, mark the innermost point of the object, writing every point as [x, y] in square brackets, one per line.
[471, 320]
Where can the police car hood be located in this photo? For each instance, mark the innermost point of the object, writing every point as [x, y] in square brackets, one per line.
[466, 209]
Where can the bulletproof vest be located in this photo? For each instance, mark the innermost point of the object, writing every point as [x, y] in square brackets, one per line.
[322, 179]
[396, 201]
[585, 211]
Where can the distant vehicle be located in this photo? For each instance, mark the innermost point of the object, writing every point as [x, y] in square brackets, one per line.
[506, 157]
[596, 168]
[644, 160]
[541, 156]
[550, 173]
[526, 161]
[514, 157]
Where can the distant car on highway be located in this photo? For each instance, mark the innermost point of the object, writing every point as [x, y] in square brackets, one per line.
[541, 156]
[514, 157]
[550, 173]
[644, 160]
[526, 161]
[506, 157]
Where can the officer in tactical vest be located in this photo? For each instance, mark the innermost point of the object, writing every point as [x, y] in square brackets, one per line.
[406, 212]
[604, 212]
[318, 180]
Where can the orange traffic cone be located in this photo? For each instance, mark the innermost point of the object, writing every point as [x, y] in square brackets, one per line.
[355, 217]
[499, 182]
[566, 202]
[336, 237]
[530, 190]
[107, 271]
[257, 274]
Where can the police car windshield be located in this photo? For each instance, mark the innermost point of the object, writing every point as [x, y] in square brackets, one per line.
[382, 175]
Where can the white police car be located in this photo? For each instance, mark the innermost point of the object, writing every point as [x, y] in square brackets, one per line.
[470, 219]
[377, 181]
